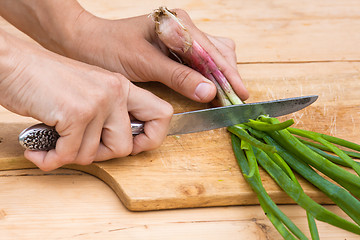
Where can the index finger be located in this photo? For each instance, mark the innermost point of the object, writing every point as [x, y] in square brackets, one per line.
[155, 112]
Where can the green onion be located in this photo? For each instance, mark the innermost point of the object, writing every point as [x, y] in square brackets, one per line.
[312, 226]
[347, 202]
[299, 196]
[271, 143]
[262, 126]
[280, 227]
[348, 180]
[333, 158]
[332, 139]
[239, 131]
[319, 138]
[322, 147]
[255, 183]
[167, 24]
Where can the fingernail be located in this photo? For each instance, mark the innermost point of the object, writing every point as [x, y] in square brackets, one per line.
[203, 90]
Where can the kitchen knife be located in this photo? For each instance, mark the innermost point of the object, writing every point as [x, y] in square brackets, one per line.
[43, 137]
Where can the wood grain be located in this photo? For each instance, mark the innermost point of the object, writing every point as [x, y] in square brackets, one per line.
[198, 170]
[67, 204]
[284, 49]
[265, 31]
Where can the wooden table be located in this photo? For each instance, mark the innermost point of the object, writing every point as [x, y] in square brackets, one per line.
[297, 41]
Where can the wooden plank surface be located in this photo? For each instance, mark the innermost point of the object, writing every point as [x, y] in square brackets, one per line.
[266, 31]
[198, 170]
[284, 49]
[67, 204]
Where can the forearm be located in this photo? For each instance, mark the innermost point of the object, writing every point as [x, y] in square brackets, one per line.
[128, 46]
[17, 58]
[8, 58]
[49, 22]
[8, 63]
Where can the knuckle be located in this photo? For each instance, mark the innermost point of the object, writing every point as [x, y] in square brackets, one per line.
[112, 87]
[155, 144]
[80, 112]
[114, 82]
[180, 76]
[86, 114]
[116, 87]
[152, 143]
[167, 110]
[85, 158]
[122, 150]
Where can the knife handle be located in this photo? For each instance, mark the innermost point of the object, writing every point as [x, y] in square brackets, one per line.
[42, 137]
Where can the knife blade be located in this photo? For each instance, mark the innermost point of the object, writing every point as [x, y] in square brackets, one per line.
[43, 137]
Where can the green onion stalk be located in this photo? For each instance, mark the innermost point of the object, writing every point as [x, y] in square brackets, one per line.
[276, 147]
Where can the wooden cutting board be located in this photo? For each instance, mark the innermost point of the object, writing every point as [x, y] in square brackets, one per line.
[283, 50]
[198, 170]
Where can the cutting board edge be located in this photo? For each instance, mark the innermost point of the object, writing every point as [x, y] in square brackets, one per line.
[140, 203]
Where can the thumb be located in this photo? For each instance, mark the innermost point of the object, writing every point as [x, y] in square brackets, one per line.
[189, 83]
[179, 77]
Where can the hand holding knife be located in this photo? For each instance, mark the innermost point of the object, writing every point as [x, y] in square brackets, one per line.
[42, 137]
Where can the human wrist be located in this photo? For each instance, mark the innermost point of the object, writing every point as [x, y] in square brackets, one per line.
[75, 41]
[62, 27]
[48, 22]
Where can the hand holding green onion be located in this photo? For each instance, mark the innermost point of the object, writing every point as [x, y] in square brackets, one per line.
[271, 144]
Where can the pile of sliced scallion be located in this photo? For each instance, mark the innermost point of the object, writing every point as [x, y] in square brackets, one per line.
[278, 148]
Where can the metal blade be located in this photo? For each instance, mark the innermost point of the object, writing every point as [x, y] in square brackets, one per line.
[208, 119]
